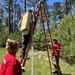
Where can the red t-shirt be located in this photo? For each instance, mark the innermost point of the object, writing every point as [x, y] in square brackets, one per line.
[0, 70]
[10, 65]
[56, 52]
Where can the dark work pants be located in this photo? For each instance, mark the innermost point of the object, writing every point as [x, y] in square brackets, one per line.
[57, 61]
[25, 41]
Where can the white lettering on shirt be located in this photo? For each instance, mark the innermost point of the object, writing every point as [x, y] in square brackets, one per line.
[4, 61]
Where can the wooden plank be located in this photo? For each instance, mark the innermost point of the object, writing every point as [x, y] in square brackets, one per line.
[26, 21]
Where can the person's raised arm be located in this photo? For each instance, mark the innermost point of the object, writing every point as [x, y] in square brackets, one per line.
[19, 24]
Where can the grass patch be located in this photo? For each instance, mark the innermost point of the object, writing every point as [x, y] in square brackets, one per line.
[41, 66]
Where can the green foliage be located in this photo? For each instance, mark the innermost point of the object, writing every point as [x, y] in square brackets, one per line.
[68, 34]
[39, 39]
[3, 37]
[16, 36]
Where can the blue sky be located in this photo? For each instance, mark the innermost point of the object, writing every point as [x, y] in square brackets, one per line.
[50, 2]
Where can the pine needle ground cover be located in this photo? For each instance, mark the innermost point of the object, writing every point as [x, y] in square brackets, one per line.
[41, 66]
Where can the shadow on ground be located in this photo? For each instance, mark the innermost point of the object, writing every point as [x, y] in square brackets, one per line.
[66, 74]
[63, 74]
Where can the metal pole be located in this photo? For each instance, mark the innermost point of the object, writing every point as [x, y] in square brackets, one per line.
[32, 73]
[32, 59]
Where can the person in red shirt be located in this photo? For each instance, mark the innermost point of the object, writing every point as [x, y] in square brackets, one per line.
[56, 54]
[10, 65]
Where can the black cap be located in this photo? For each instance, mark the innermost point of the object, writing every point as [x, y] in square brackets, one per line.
[55, 39]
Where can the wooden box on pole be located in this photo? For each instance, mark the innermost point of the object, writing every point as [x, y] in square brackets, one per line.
[26, 19]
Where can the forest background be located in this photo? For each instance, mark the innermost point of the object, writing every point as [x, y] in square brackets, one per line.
[61, 17]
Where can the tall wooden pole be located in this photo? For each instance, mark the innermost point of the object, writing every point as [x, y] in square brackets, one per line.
[25, 5]
[9, 17]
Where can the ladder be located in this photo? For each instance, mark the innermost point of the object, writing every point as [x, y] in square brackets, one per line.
[47, 33]
[41, 11]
